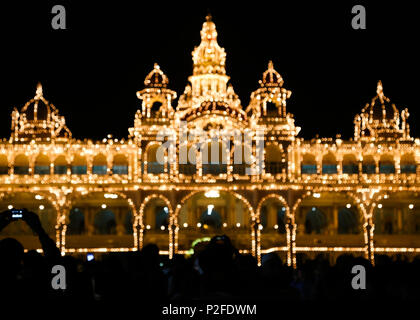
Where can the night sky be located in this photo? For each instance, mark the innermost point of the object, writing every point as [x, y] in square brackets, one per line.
[92, 70]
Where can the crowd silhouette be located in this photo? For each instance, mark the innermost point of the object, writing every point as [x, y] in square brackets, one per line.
[216, 271]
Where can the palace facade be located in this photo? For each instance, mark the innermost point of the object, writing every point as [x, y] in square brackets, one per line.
[359, 196]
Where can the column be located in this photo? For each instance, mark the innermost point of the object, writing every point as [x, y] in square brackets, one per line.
[335, 219]
[399, 214]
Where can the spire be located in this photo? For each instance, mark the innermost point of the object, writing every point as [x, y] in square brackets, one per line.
[209, 57]
[38, 93]
[380, 90]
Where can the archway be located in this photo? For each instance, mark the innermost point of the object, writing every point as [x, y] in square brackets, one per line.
[155, 213]
[39, 203]
[99, 220]
[230, 213]
[274, 214]
[329, 219]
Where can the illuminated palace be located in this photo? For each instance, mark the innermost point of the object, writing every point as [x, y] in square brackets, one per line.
[330, 195]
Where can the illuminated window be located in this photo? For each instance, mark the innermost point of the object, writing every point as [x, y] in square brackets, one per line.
[386, 164]
[42, 165]
[308, 165]
[350, 165]
[60, 165]
[79, 165]
[120, 164]
[21, 165]
[329, 164]
[4, 166]
[99, 165]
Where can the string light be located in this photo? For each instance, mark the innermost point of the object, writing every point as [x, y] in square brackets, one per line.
[42, 157]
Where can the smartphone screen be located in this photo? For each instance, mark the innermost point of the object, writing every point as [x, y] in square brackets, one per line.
[90, 257]
[17, 213]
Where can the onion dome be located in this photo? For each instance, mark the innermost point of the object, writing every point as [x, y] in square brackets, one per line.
[37, 109]
[271, 92]
[381, 109]
[380, 119]
[271, 78]
[156, 78]
[38, 120]
[156, 97]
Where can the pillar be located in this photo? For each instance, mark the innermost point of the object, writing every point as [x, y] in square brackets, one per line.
[335, 218]
[399, 219]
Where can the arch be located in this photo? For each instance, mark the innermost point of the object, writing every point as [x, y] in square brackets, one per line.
[329, 164]
[99, 164]
[60, 165]
[21, 164]
[238, 196]
[140, 218]
[350, 164]
[243, 219]
[42, 203]
[308, 165]
[396, 213]
[84, 199]
[4, 164]
[211, 218]
[215, 157]
[120, 164]
[368, 164]
[151, 159]
[279, 198]
[79, 165]
[140, 221]
[408, 163]
[386, 164]
[42, 164]
[273, 159]
[362, 209]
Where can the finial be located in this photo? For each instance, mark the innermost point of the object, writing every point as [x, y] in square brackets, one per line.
[38, 90]
[209, 17]
[379, 89]
[270, 65]
[156, 66]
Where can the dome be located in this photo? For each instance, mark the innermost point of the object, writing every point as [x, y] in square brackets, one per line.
[38, 119]
[271, 78]
[156, 78]
[380, 119]
[381, 108]
[37, 109]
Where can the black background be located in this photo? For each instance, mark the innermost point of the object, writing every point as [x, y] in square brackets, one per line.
[92, 70]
